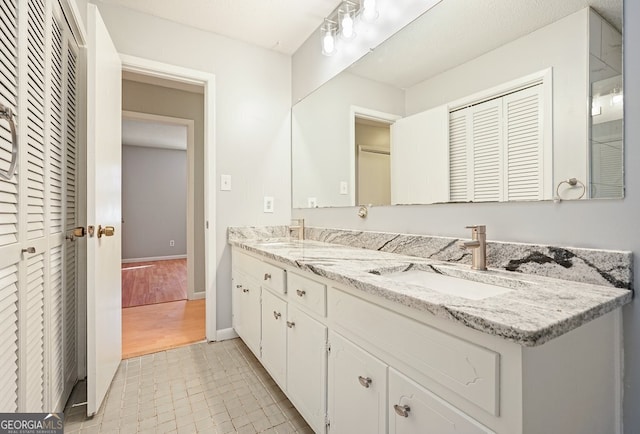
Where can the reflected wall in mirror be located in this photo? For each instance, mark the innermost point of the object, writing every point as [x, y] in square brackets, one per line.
[472, 102]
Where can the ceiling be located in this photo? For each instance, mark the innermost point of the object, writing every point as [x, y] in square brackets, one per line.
[151, 134]
[455, 31]
[280, 25]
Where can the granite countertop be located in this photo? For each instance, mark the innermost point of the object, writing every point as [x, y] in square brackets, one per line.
[534, 311]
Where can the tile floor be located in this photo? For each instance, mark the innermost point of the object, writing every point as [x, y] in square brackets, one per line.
[202, 388]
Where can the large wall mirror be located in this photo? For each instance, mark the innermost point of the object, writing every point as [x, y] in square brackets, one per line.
[474, 101]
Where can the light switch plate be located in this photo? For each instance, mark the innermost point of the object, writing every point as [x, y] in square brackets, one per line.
[225, 182]
[312, 202]
[268, 204]
[344, 187]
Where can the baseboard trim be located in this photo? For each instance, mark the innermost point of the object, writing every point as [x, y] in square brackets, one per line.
[153, 258]
[226, 334]
[198, 295]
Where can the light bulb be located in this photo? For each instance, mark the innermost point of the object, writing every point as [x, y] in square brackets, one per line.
[347, 26]
[369, 13]
[328, 43]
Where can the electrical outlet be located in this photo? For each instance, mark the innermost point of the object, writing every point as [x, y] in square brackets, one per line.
[344, 187]
[312, 202]
[268, 204]
[225, 182]
[172, 243]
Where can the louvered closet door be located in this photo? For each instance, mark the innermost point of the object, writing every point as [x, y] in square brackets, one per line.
[523, 148]
[458, 156]
[9, 215]
[33, 206]
[37, 363]
[70, 267]
[61, 168]
[486, 141]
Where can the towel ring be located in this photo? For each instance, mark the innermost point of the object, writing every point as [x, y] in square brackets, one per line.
[7, 113]
[572, 182]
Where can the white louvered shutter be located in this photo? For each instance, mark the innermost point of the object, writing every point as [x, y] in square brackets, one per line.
[70, 311]
[523, 144]
[497, 149]
[486, 143]
[35, 180]
[55, 153]
[458, 138]
[9, 215]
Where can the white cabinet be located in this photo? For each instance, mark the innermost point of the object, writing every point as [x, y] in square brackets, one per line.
[415, 410]
[357, 388]
[391, 369]
[246, 310]
[274, 337]
[307, 366]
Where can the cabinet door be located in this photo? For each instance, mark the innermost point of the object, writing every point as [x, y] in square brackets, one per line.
[357, 389]
[247, 311]
[274, 337]
[307, 367]
[415, 410]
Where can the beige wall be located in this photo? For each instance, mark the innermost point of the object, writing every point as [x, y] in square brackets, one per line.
[374, 170]
[157, 100]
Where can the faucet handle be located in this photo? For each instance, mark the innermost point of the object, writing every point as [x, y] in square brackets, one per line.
[481, 229]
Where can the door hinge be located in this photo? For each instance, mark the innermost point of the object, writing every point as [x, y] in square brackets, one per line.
[328, 348]
[327, 422]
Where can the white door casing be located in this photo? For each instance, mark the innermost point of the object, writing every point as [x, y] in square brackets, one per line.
[104, 287]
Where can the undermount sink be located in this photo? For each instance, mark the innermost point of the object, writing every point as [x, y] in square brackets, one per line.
[448, 284]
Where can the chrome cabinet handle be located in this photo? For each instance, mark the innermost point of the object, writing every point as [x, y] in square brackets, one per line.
[291, 324]
[276, 315]
[365, 381]
[245, 289]
[402, 410]
[238, 286]
[29, 250]
[7, 114]
[267, 276]
[300, 292]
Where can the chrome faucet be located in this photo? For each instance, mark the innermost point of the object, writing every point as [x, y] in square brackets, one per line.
[478, 246]
[297, 225]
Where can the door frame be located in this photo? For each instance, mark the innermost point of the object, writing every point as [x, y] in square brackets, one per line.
[190, 125]
[167, 71]
[363, 113]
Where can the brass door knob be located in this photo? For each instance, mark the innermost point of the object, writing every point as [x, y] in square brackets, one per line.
[107, 231]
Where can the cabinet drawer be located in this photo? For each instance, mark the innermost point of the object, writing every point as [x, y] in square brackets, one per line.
[419, 410]
[469, 370]
[273, 278]
[268, 275]
[308, 293]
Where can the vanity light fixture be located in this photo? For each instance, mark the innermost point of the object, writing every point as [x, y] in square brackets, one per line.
[342, 21]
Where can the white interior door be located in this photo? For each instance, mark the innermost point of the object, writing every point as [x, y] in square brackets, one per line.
[104, 287]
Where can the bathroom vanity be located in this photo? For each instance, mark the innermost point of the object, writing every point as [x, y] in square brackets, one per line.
[367, 341]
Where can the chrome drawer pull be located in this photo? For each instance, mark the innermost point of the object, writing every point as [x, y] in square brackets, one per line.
[276, 315]
[291, 324]
[402, 410]
[300, 292]
[267, 276]
[365, 381]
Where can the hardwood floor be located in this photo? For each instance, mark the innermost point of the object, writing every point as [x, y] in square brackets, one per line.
[146, 283]
[158, 327]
